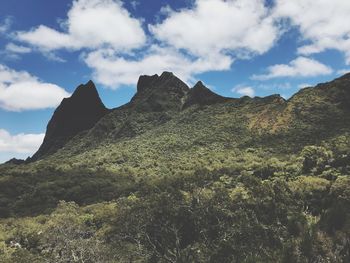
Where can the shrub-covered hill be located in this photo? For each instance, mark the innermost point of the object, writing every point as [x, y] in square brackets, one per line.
[165, 119]
[185, 175]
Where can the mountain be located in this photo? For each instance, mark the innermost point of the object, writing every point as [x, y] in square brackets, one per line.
[76, 114]
[182, 174]
[166, 103]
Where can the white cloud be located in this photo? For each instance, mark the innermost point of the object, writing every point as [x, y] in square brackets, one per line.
[5, 25]
[110, 34]
[90, 24]
[113, 70]
[20, 143]
[271, 86]
[219, 26]
[207, 36]
[324, 24]
[244, 90]
[13, 48]
[193, 41]
[21, 91]
[47, 38]
[300, 67]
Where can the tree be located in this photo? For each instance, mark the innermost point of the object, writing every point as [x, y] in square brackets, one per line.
[315, 158]
[69, 238]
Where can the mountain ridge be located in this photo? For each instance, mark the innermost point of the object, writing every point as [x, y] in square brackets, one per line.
[160, 99]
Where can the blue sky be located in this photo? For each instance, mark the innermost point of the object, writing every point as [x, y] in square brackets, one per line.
[236, 47]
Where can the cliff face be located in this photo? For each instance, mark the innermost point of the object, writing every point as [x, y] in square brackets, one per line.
[78, 113]
[160, 93]
[169, 93]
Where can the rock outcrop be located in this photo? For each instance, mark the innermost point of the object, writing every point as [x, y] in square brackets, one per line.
[75, 114]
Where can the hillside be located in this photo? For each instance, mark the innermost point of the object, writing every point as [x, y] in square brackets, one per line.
[182, 174]
[166, 116]
[166, 105]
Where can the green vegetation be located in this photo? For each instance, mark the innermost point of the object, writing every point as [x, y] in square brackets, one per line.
[246, 180]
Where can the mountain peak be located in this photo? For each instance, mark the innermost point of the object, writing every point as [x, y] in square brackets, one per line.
[146, 81]
[160, 93]
[199, 84]
[86, 91]
[167, 75]
[165, 80]
[75, 114]
[201, 95]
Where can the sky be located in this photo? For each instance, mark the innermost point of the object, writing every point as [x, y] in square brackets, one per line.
[236, 47]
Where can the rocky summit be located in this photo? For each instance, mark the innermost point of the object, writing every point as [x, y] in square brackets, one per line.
[76, 114]
[160, 93]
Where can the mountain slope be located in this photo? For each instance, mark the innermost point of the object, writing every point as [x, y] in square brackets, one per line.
[157, 140]
[165, 105]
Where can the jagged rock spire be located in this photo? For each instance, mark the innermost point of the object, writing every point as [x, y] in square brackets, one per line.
[75, 114]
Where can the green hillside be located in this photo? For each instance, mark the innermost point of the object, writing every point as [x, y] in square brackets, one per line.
[185, 175]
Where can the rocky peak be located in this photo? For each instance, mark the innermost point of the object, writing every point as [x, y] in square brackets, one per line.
[201, 95]
[160, 93]
[86, 92]
[145, 82]
[165, 82]
[75, 114]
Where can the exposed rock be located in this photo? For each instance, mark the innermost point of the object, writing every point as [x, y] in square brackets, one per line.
[160, 93]
[201, 95]
[75, 114]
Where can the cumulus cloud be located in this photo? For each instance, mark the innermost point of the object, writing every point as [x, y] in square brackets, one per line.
[21, 91]
[244, 90]
[90, 24]
[19, 144]
[113, 70]
[193, 41]
[323, 24]
[218, 26]
[208, 35]
[300, 67]
[13, 48]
